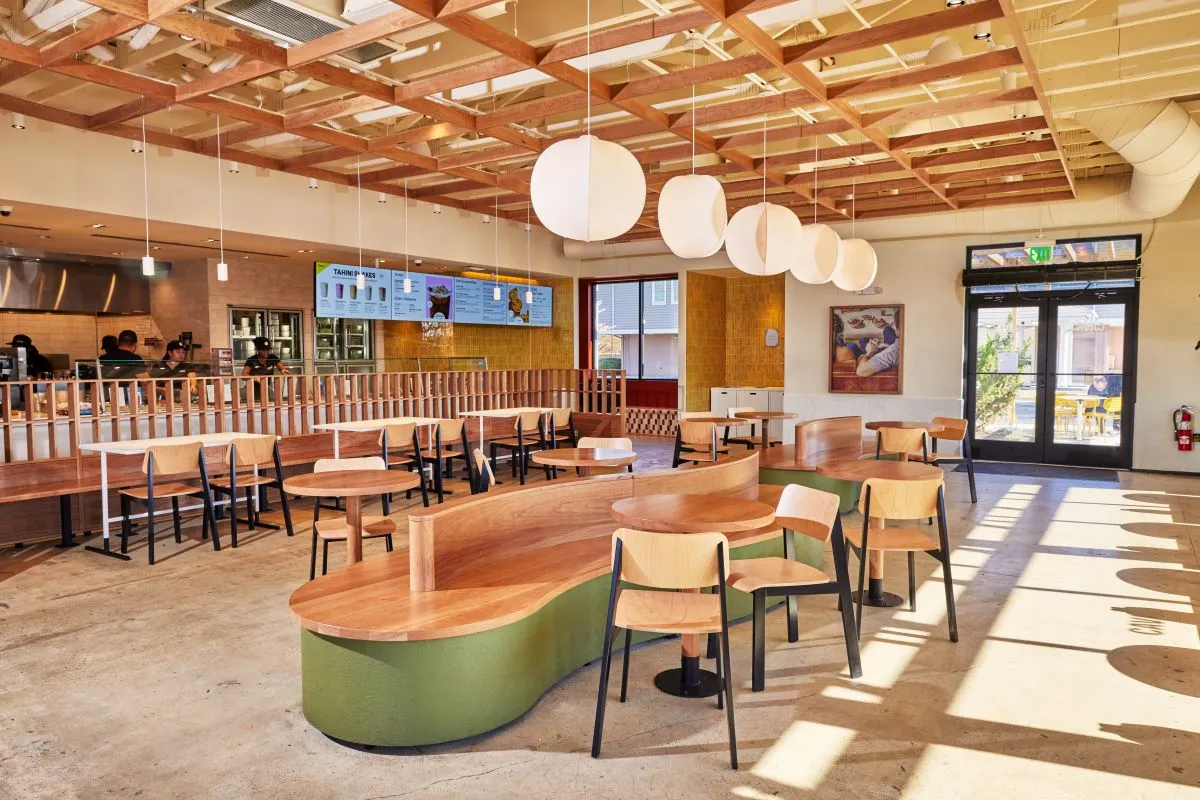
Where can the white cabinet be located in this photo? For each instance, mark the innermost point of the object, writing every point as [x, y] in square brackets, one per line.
[775, 403]
[722, 399]
[752, 398]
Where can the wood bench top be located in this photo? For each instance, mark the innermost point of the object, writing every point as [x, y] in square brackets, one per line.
[786, 458]
[371, 600]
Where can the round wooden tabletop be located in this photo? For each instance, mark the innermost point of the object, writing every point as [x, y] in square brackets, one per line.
[765, 415]
[859, 469]
[715, 420]
[351, 483]
[931, 427]
[585, 457]
[692, 513]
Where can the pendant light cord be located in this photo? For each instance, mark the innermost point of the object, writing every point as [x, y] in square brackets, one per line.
[589, 67]
[406, 243]
[693, 110]
[496, 222]
[358, 172]
[764, 160]
[220, 197]
[816, 173]
[146, 184]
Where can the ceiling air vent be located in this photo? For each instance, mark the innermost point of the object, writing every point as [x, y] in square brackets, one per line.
[295, 24]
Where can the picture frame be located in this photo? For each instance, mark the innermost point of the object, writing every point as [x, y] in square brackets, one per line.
[866, 349]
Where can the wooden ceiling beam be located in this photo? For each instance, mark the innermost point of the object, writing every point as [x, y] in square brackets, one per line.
[1004, 170]
[224, 36]
[907, 78]
[14, 71]
[452, 187]
[915, 112]
[72, 45]
[784, 133]
[988, 130]
[322, 156]
[237, 74]
[1059, 182]
[426, 133]
[1042, 197]
[239, 134]
[479, 72]
[238, 111]
[127, 111]
[116, 79]
[356, 35]
[20, 53]
[970, 155]
[340, 108]
[392, 173]
[691, 76]
[482, 155]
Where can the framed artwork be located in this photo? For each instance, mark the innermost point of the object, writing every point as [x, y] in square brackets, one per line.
[866, 352]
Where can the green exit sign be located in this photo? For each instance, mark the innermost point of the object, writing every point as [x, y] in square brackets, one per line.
[1042, 254]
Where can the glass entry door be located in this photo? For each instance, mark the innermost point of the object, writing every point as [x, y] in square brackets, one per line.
[1051, 376]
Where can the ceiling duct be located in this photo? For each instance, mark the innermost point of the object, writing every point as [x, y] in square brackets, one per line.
[1162, 143]
[295, 23]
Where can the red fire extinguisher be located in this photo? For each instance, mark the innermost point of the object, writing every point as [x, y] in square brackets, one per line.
[1183, 428]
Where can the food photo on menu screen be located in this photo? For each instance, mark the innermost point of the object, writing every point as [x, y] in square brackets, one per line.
[439, 293]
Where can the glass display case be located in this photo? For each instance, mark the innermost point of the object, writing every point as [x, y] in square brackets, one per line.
[343, 345]
[282, 327]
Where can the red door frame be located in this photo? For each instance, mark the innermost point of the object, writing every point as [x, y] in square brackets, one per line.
[639, 393]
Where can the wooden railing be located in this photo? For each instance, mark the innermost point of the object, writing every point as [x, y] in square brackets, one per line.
[42, 420]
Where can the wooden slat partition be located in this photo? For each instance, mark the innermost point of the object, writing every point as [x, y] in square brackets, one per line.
[45, 421]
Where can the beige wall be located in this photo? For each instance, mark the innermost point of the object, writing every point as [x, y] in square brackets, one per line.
[77, 335]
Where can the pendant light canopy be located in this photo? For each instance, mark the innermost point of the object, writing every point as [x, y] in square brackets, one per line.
[819, 246]
[588, 189]
[692, 216]
[856, 265]
[762, 239]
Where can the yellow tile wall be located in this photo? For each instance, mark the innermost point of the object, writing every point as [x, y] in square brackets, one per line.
[505, 348]
[752, 306]
[706, 338]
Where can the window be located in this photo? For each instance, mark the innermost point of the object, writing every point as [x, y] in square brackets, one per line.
[635, 327]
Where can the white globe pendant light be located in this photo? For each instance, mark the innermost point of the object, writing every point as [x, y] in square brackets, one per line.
[819, 245]
[692, 216]
[856, 265]
[587, 189]
[763, 239]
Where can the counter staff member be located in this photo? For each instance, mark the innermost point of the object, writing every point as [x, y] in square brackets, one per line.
[36, 364]
[174, 364]
[124, 362]
[264, 362]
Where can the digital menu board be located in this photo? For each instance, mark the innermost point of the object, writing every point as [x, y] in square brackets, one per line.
[431, 298]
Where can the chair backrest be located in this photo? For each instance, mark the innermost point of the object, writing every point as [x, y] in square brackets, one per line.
[893, 499]
[562, 417]
[528, 422]
[734, 411]
[483, 468]
[172, 459]
[670, 560]
[337, 464]
[397, 435]
[1113, 405]
[251, 451]
[450, 430]
[832, 437]
[693, 414]
[953, 429]
[600, 442]
[700, 433]
[901, 440]
[807, 511]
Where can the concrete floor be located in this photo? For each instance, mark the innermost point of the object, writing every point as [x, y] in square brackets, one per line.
[1077, 675]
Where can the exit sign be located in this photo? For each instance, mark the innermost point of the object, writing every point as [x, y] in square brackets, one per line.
[1041, 254]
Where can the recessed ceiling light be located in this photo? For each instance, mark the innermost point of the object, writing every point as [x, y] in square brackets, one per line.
[97, 226]
[43, 236]
[156, 247]
[245, 258]
[211, 239]
[304, 251]
[115, 253]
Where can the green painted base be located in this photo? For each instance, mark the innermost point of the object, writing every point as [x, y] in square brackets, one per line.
[847, 491]
[398, 694]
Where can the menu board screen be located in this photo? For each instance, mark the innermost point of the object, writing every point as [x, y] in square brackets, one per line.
[431, 298]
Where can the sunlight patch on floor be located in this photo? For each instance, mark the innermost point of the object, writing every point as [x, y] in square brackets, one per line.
[803, 754]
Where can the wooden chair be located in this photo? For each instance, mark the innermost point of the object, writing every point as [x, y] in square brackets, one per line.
[530, 435]
[691, 415]
[812, 513]
[479, 470]
[695, 442]
[252, 453]
[159, 465]
[953, 429]
[336, 530]
[441, 453]
[901, 441]
[401, 447]
[598, 443]
[561, 428]
[671, 562]
[882, 500]
[751, 441]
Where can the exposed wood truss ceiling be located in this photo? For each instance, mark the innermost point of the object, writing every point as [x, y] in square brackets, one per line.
[834, 107]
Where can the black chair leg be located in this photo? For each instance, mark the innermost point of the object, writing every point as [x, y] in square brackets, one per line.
[717, 666]
[287, 512]
[912, 581]
[789, 552]
[312, 562]
[387, 542]
[251, 511]
[758, 677]
[233, 512]
[150, 526]
[324, 556]
[971, 477]
[176, 521]
[864, 556]
[125, 524]
[728, 679]
[602, 694]
[625, 663]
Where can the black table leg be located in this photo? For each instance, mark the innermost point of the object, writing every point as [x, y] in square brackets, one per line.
[877, 597]
[688, 680]
[64, 515]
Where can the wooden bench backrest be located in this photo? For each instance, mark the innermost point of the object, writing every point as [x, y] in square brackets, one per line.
[829, 439]
[470, 531]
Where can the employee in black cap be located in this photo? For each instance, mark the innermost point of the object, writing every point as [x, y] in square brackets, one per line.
[124, 362]
[36, 364]
[174, 364]
[264, 362]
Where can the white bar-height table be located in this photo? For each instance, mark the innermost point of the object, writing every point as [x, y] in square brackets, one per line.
[500, 413]
[138, 447]
[367, 426]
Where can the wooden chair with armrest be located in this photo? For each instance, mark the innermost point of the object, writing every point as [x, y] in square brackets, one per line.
[400, 446]
[884, 499]
[902, 441]
[696, 442]
[441, 453]
[530, 430]
[748, 440]
[337, 530]
[812, 513]
[160, 464]
[674, 568]
[692, 415]
[252, 453]
[954, 429]
[609, 443]
[560, 427]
